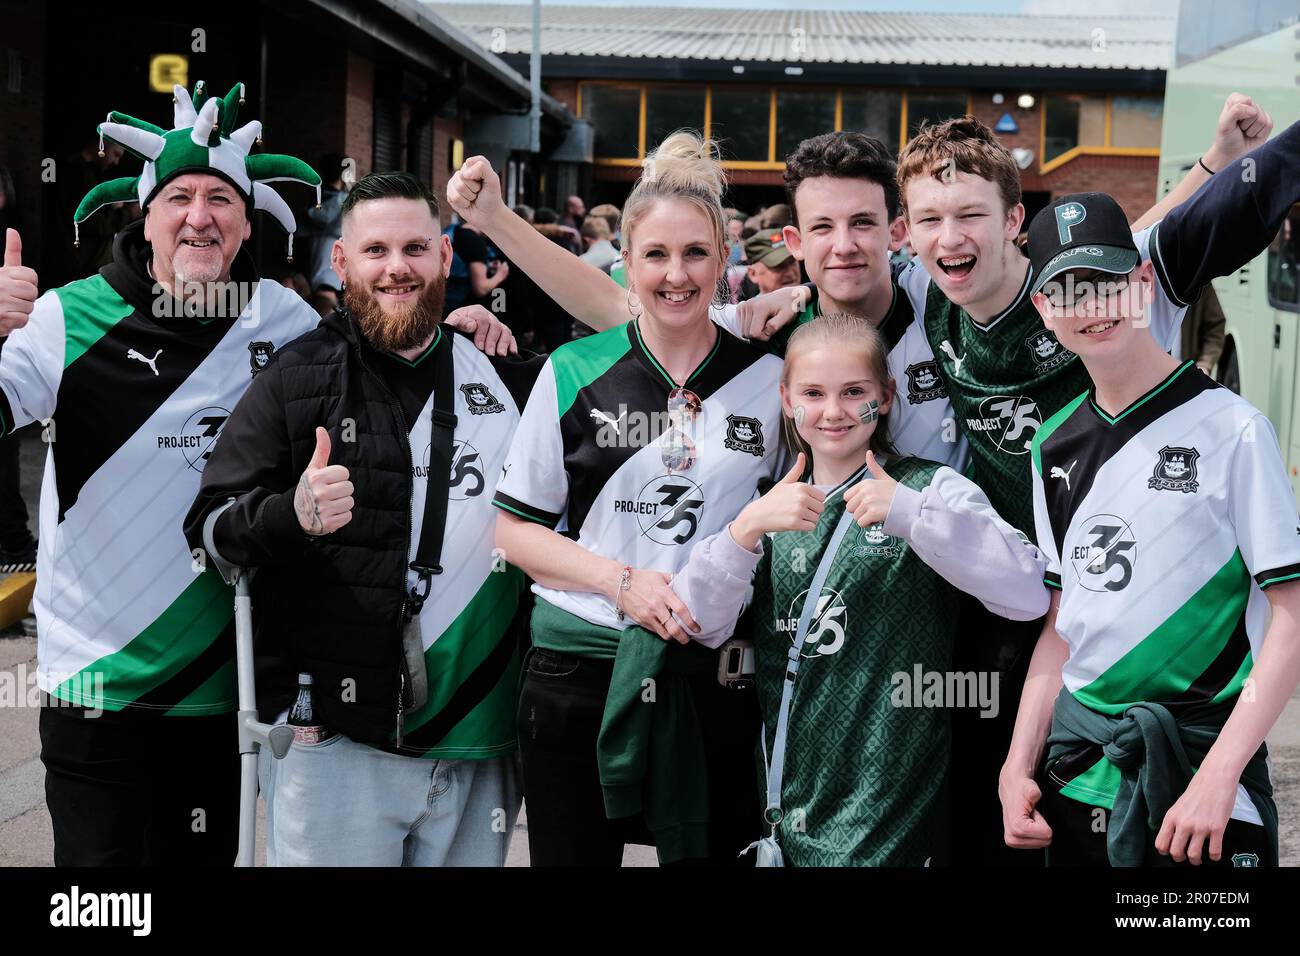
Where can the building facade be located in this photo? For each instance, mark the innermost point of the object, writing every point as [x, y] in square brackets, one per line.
[1079, 104]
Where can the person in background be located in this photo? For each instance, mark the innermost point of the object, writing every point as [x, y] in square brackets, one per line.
[324, 301]
[735, 243]
[486, 272]
[524, 212]
[77, 257]
[776, 217]
[595, 234]
[771, 264]
[298, 283]
[610, 213]
[575, 210]
[1203, 331]
[326, 223]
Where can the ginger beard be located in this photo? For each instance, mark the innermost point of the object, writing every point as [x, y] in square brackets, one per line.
[403, 326]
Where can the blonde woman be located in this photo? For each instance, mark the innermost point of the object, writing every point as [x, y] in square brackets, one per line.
[637, 443]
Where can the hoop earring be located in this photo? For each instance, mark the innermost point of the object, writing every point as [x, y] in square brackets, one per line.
[639, 308]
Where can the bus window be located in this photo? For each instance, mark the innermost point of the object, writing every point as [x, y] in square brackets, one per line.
[1284, 264]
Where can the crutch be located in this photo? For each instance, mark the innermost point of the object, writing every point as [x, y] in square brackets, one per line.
[253, 734]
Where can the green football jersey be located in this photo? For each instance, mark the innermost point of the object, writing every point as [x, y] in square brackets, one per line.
[1007, 376]
[864, 778]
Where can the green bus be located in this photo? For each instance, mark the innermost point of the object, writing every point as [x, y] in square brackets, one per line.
[1251, 46]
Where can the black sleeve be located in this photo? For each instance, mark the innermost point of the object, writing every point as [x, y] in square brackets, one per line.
[519, 372]
[1230, 220]
[469, 245]
[252, 462]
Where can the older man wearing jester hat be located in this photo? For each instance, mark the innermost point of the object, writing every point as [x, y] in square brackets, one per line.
[135, 370]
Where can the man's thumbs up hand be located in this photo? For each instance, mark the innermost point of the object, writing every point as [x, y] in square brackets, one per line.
[18, 290]
[323, 499]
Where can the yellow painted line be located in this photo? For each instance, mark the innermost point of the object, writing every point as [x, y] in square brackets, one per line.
[16, 592]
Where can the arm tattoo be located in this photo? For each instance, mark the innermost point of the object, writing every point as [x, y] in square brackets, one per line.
[304, 502]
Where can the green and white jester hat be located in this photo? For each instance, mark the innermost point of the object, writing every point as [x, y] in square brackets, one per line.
[203, 140]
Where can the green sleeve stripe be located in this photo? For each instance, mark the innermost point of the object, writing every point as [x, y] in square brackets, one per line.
[1053, 583]
[90, 308]
[1271, 581]
[579, 363]
[523, 514]
[1045, 431]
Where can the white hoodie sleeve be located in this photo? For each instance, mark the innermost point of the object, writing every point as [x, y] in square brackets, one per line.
[714, 585]
[955, 530]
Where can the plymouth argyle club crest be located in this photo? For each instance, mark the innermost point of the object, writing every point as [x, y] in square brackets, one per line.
[924, 383]
[874, 541]
[480, 399]
[1175, 470]
[259, 354]
[744, 434]
[1048, 353]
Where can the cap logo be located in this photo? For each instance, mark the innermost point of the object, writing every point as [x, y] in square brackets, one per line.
[1069, 215]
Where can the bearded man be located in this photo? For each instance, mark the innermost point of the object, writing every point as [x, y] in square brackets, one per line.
[356, 475]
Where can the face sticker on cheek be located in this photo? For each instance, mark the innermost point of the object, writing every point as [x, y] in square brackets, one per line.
[799, 413]
[869, 412]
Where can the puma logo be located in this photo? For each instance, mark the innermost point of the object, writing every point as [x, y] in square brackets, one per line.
[600, 416]
[133, 354]
[946, 347]
[1058, 473]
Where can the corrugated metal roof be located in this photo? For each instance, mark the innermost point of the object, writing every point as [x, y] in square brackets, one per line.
[818, 36]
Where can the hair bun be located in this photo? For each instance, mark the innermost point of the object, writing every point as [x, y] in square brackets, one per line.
[686, 162]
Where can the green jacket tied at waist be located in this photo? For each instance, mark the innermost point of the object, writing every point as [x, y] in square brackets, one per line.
[650, 751]
[1156, 754]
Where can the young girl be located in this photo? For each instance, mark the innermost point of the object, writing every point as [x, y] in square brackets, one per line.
[867, 743]
[635, 444]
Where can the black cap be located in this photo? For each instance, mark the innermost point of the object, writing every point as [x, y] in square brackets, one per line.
[1082, 231]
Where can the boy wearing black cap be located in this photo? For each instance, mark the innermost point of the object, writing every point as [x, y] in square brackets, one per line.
[1160, 500]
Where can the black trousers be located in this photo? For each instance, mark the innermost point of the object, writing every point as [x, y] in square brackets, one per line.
[987, 643]
[140, 789]
[14, 533]
[560, 708]
[1079, 836]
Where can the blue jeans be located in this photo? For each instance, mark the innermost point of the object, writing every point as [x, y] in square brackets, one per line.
[341, 803]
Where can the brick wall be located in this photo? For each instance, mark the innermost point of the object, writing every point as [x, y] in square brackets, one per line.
[566, 91]
[359, 130]
[444, 131]
[1130, 179]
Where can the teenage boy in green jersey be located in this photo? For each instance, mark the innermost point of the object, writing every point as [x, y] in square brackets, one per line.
[1160, 500]
[1005, 373]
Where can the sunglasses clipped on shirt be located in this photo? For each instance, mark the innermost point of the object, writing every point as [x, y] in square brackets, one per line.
[677, 447]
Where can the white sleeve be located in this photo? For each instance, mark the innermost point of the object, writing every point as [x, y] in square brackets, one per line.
[1163, 314]
[727, 316]
[31, 365]
[1047, 543]
[534, 483]
[914, 281]
[715, 584]
[1262, 506]
[955, 530]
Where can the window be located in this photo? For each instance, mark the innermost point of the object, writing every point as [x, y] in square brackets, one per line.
[615, 114]
[1135, 121]
[877, 113]
[1284, 264]
[739, 122]
[670, 108]
[801, 114]
[1073, 120]
[930, 108]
